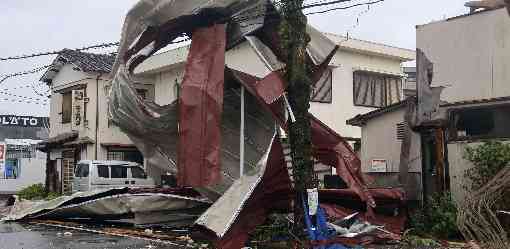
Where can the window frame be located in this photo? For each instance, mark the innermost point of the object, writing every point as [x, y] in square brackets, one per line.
[67, 100]
[385, 75]
[330, 77]
[123, 150]
[141, 170]
[124, 172]
[81, 166]
[452, 127]
[108, 170]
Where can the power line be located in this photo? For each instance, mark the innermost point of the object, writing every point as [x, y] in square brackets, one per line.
[18, 57]
[345, 7]
[21, 96]
[23, 101]
[31, 71]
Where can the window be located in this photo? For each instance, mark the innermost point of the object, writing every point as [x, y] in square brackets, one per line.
[119, 171]
[137, 172]
[322, 90]
[12, 169]
[480, 123]
[103, 171]
[125, 154]
[67, 102]
[142, 93]
[82, 170]
[375, 89]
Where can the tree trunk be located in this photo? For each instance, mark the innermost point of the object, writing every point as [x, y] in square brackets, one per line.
[294, 42]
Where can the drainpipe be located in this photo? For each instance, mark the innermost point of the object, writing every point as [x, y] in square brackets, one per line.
[97, 115]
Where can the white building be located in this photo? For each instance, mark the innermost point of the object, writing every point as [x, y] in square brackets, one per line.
[80, 128]
[23, 165]
[79, 84]
[349, 88]
[471, 59]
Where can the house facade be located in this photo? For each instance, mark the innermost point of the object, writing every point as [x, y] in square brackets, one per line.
[470, 59]
[347, 90]
[80, 129]
[21, 164]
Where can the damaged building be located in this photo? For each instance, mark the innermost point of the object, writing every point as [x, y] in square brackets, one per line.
[469, 59]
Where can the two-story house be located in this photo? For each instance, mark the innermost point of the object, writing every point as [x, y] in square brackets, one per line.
[471, 60]
[363, 76]
[80, 128]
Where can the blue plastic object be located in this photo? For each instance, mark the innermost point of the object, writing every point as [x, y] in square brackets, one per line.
[321, 231]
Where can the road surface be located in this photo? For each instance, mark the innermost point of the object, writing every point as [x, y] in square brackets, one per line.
[27, 236]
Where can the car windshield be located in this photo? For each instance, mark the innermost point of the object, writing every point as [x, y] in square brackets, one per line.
[138, 172]
[82, 170]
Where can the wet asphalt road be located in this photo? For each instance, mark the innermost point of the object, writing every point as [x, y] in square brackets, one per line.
[27, 236]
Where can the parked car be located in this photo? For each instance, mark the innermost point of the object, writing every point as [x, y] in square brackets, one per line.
[91, 175]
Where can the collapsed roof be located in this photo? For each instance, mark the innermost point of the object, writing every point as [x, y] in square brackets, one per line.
[197, 137]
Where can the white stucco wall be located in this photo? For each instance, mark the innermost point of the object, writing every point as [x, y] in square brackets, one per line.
[380, 142]
[471, 54]
[32, 172]
[243, 58]
[106, 134]
[342, 107]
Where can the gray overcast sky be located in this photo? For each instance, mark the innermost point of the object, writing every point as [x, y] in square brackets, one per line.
[30, 26]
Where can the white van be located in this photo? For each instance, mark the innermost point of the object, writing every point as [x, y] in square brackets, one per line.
[91, 175]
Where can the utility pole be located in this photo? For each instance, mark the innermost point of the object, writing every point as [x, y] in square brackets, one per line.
[294, 42]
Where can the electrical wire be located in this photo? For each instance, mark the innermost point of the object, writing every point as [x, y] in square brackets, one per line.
[22, 97]
[344, 8]
[23, 101]
[31, 71]
[18, 57]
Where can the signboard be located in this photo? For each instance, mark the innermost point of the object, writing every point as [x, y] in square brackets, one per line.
[379, 165]
[78, 108]
[23, 121]
[3, 150]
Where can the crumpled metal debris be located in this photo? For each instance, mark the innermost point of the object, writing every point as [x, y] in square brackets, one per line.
[151, 25]
[351, 227]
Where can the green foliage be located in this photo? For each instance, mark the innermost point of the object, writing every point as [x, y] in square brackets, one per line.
[276, 227]
[438, 219]
[489, 158]
[36, 192]
[52, 195]
[417, 241]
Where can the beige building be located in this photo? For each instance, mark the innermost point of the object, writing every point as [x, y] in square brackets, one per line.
[79, 84]
[80, 129]
[347, 91]
[471, 60]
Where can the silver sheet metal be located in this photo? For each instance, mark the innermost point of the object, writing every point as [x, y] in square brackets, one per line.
[118, 205]
[153, 128]
[222, 214]
[38, 207]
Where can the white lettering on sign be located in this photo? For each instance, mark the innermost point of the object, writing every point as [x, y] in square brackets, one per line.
[33, 122]
[25, 121]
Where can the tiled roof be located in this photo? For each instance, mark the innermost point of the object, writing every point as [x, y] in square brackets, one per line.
[89, 62]
[86, 62]
[361, 119]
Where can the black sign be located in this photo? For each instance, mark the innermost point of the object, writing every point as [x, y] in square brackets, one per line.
[23, 121]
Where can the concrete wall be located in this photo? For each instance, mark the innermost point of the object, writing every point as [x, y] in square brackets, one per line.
[97, 95]
[379, 141]
[470, 54]
[32, 171]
